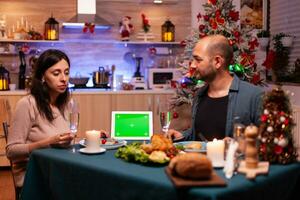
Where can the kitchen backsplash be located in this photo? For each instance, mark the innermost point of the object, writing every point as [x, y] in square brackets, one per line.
[85, 54]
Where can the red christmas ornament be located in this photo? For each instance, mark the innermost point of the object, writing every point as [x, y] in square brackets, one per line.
[88, 27]
[278, 149]
[183, 85]
[286, 121]
[175, 115]
[213, 2]
[152, 51]
[213, 23]
[264, 118]
[236, 34]
[206, 17]
[263, 148]
[201, 27]
[234, 15]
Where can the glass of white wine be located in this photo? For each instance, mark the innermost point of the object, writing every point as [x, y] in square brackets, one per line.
[165, 116]
[73, 120]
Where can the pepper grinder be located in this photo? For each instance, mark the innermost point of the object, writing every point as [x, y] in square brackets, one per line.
[251, 154]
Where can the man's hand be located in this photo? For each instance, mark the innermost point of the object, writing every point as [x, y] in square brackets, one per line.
[174, 135]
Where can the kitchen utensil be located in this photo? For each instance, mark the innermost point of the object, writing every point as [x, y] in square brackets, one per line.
[101, 77]
[79, 80]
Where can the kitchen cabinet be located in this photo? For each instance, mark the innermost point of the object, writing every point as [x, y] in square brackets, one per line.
[95, 112]
[141, 102]
[96, 107]
[5, 116]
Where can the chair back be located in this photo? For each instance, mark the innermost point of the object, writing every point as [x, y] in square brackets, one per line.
[5, 130]
[17, 189]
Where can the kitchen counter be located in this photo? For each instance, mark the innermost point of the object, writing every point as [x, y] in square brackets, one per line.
[95, 91]
[96, 105]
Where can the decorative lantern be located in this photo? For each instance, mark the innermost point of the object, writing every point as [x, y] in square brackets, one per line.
[4, 78]
[168, 31]
[51, 29]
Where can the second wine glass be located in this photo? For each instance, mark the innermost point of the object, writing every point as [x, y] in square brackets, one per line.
[73, 119]
[165, 116]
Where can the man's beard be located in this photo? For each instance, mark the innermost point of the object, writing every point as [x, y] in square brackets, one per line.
[207, 77]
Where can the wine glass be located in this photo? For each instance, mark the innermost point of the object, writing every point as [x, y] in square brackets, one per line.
[165, 116]
[73, 120]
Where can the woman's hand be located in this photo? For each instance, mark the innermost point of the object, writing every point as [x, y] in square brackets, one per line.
[61, 140]
[174, 135]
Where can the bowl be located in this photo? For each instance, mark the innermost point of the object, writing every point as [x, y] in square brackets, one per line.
[79, 80]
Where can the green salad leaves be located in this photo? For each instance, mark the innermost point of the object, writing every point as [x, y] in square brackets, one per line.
[133, 153]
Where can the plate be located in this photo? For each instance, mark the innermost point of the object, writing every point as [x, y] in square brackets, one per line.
[185, 143]
[88, 151]
[107, 146]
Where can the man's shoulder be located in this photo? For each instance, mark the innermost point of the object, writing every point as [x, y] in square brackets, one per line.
[249, 88]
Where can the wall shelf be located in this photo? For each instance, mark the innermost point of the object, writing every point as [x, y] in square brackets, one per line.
[92, 41]
[30, 41]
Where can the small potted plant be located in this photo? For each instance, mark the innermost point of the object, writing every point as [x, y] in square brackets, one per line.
[263, 38]
[287, 40]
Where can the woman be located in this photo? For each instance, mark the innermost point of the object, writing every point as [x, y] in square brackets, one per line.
[40, 119]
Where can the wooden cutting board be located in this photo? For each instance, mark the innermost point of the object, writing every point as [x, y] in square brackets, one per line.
[180, 182]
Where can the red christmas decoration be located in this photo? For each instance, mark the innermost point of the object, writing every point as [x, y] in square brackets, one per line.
[278, 149]
[88, 27]
[212, 2]
[206, 17]
[175, 115]
[247, 59]
[269, 62]
[146, 25]
[255, 78]
[201, 27]
[234, 15]
[264, 118]
[253, 44]
[199, 17]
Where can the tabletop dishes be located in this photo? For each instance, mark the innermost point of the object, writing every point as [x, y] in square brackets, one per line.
[93, 151]
[192, 146]
[109, 143]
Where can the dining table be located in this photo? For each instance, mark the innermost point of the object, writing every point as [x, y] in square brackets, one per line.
[54, 173]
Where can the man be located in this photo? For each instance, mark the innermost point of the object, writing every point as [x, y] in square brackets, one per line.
[224, 97]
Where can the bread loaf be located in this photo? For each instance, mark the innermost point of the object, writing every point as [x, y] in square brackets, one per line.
[191, 166]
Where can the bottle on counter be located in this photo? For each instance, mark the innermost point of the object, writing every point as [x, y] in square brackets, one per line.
[22, 70]
[4, 78]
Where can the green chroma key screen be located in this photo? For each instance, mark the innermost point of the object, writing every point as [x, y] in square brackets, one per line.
[135, 125]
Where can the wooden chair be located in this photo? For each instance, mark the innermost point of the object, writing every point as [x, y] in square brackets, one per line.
[17, 189]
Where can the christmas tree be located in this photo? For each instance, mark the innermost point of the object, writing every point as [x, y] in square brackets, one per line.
[220, 17]
[275, 132]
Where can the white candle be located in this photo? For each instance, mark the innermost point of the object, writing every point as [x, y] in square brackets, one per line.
[215, 152]
[92, 139]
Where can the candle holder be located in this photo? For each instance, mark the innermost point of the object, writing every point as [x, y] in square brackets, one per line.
[51, 29]
[168, 31]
